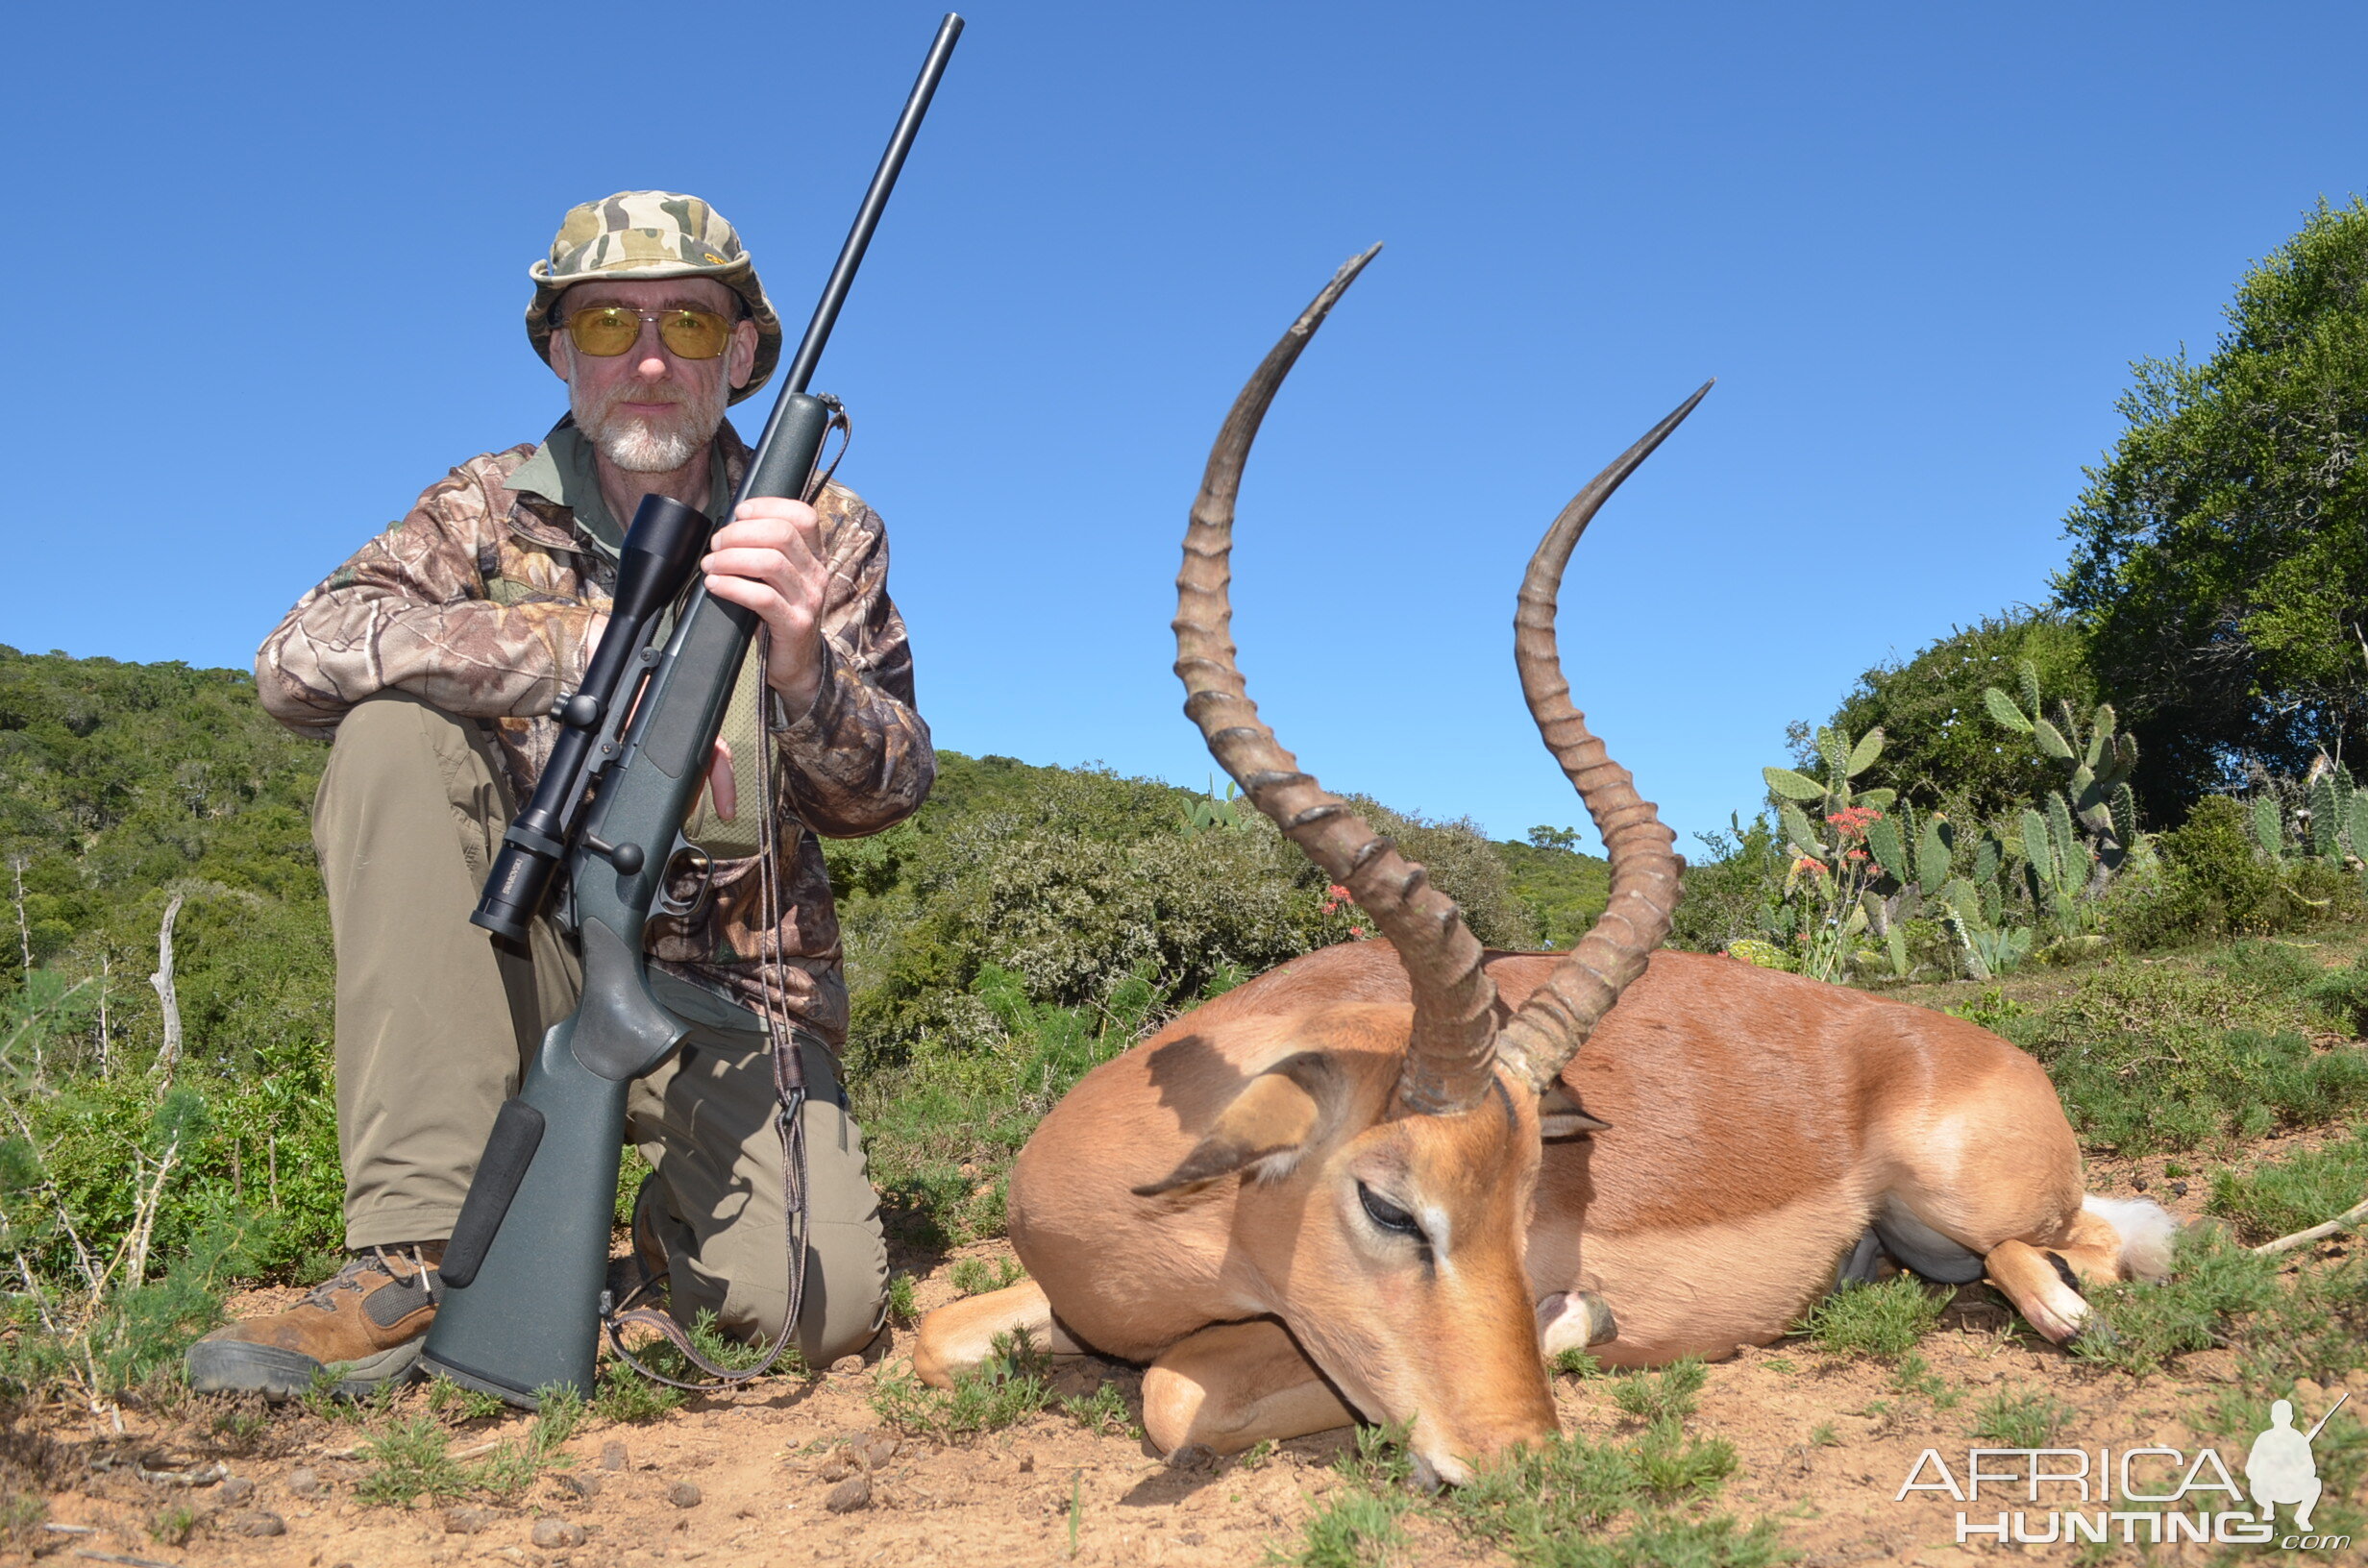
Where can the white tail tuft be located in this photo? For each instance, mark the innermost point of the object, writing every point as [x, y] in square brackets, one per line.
[2147, 1229]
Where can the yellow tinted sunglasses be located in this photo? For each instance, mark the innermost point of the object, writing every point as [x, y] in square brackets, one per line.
[606, 330]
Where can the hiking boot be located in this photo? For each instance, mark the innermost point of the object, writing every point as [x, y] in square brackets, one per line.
[364, 1324]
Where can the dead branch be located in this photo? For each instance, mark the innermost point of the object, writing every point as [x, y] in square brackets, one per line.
[171, 1056]
[144, 1216]
[24, 931]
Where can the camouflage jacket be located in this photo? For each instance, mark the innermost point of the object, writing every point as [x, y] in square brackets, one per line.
[480, 600]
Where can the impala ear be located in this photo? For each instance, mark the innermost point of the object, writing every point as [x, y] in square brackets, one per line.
[1560, 1114]
[1269, 1122]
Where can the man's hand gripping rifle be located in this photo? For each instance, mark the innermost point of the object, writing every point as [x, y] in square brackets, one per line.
[523, 1271]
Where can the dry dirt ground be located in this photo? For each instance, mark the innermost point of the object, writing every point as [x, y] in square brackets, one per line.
[760, 1465]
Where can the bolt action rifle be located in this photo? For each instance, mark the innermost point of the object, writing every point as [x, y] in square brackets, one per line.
[523, 1271]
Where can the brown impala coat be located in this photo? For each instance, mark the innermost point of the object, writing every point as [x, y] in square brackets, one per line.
[1759, 1121]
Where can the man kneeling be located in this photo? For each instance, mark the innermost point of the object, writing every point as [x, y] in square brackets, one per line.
[433, 657]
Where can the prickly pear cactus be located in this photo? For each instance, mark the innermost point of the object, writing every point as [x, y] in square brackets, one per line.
[2268, 831]
[2095, 798]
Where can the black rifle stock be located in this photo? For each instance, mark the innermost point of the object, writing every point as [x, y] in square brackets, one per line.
[523, 1271]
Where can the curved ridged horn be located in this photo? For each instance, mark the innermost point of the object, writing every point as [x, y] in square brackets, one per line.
[1539, 1041]
[1449, 1058]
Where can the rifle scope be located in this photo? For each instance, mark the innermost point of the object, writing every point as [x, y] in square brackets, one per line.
[660, 550]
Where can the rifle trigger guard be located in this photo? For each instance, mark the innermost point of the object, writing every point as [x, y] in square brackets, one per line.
[686, 859]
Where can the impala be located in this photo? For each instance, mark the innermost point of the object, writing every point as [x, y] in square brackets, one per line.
[1382, 1180]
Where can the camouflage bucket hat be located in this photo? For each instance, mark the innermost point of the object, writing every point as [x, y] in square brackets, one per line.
[651, 234]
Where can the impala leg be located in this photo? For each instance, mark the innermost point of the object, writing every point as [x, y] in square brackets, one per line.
[2042, 1285]
[1233, 1385]
[961, 1334]
[2108, 1241]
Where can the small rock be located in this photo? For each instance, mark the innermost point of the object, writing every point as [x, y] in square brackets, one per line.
[1193, 1457]
[258, 1522]
[586, 1488]
[306, 1482]
[880, 1451]
[2139, 1182]
[850, 1494]
[846, 1364]
[465, 1521]
[683, 1495]
[1028, 1464]
[612, 1454]
[236, 1491]
[553, 1533]
[838, 1466]
[2179, 1189]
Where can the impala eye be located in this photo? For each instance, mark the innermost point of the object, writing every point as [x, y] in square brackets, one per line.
[1386, 1214]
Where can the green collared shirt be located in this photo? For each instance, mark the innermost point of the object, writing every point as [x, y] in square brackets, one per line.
[561, 471]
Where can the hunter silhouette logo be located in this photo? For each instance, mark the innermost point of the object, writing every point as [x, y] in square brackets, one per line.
[2138, 1495]
[2280, 1469]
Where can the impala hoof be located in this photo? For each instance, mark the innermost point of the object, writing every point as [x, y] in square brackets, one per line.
[1575, 1321]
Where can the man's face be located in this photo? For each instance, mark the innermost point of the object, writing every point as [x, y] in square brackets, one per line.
[648, 410]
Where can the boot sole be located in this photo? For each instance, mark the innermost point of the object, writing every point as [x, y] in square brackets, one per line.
[232, 1366]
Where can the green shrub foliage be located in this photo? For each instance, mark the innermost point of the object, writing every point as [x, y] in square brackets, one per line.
[2221, 550]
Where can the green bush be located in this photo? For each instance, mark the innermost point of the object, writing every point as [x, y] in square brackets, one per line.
[1074, 881]
[2215, 883]
[1728, 890]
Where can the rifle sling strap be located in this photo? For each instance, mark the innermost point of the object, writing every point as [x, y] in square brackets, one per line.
[789, 1086]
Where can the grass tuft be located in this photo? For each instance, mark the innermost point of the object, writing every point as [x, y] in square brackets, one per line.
[1883, 1320]
[1355, 1529]
[1007, 1388]
[445, 1397]
[976, 1276]
[1914, 1375]
[1667, 1395]
[1102, 1412]
[2023, 1419]
[626, 1397]
[408, 1461]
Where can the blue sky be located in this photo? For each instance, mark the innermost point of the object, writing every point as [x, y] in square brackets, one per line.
[282, 253]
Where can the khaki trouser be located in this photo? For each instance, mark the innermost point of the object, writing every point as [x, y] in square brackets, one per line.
[436, 1023]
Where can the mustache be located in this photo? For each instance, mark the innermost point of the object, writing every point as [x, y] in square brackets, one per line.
[609, 401]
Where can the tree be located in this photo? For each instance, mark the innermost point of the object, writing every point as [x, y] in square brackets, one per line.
[1941, 750]
[2220, 554]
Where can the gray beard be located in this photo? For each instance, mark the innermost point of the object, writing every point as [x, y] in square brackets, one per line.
[638, 448]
